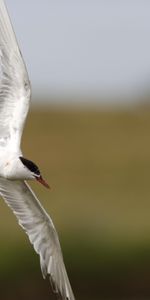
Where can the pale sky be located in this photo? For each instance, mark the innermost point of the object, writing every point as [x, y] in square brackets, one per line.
[88, 47]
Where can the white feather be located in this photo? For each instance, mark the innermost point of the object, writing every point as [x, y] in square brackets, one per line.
[14, 85]
[40, 230]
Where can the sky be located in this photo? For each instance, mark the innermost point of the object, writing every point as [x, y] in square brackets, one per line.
[84, 47]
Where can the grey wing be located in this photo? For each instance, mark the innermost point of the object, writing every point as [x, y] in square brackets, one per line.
[41, 232]
[14, 85]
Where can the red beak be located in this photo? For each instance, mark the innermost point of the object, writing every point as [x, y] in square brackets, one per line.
[42, 181]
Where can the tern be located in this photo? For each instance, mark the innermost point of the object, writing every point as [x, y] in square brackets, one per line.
[15, 169]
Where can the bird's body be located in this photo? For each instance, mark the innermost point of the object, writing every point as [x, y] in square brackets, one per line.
[15, 93]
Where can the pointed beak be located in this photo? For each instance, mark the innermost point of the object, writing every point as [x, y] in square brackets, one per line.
[42, 181]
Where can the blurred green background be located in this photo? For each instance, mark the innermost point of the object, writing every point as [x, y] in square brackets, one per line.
[97, 163]
[89, 64]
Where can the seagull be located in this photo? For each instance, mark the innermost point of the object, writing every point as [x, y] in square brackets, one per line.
[15, 169]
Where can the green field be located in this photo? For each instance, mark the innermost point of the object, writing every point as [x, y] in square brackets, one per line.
[98, 166]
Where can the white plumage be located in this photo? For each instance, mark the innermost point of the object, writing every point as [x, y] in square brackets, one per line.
[14, 104]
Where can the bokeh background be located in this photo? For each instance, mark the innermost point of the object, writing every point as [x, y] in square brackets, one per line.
[89, 131]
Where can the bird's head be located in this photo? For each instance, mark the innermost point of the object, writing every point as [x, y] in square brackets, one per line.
[32, 167]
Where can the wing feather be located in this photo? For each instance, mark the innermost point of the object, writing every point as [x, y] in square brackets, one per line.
[14, 84]
[41, 232]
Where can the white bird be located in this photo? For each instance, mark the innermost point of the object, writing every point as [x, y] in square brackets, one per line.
[15, 169]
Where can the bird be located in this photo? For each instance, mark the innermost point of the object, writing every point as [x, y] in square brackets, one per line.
[16, 170]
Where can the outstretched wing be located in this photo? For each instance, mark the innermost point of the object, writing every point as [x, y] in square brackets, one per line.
[14, 85]
[41, 232]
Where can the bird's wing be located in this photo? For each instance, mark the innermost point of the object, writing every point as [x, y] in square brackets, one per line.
[14, 85]
[41, 232]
